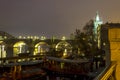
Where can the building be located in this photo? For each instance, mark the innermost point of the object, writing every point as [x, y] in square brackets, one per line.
[97, 22]
[110, 41]
[96, 29]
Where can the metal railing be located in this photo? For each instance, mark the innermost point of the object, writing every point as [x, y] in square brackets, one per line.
[16, 69]
[108, 73]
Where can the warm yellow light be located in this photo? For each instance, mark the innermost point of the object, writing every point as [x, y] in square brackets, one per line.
[41, 47]
[5, 37]
[31, 37]
[18, 47]
[63, 38]
[35, 37]
[65, 53]
[28, 37]
[43, 37]
[24, 37]
[20, 37]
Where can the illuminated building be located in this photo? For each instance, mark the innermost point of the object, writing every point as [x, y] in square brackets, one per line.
[110, 38]
[96, 29]
[97, 22]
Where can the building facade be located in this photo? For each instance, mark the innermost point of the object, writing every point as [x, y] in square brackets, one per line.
[110, 39]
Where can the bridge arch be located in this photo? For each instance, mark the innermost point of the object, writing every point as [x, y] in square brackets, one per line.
[41, 48]
[20, 48]
[65, 47]
[2, 49]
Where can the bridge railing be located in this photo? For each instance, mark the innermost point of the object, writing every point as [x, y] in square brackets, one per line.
[16, 71]
[21, 60]
[108, 73]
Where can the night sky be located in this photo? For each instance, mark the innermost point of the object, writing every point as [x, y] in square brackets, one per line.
[53, 17]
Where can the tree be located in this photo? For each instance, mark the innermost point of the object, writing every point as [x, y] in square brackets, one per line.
[85, 40]
[88, 28]
[81, 42]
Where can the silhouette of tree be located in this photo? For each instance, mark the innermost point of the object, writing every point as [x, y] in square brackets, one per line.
[85, 40]
[88, 28]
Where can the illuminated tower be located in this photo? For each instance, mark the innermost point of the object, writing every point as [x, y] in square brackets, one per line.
[96, 30]
[97, 22]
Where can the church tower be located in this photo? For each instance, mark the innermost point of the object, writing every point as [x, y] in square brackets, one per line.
[97, 22]
[96, 30]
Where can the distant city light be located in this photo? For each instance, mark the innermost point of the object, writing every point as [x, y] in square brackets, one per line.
[43, 38]
[20, 37]
[63, 38]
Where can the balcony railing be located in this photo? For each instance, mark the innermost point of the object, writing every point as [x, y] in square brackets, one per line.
[108, 73]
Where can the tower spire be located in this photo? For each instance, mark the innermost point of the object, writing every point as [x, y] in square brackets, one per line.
[97, 16]
[97, 22]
